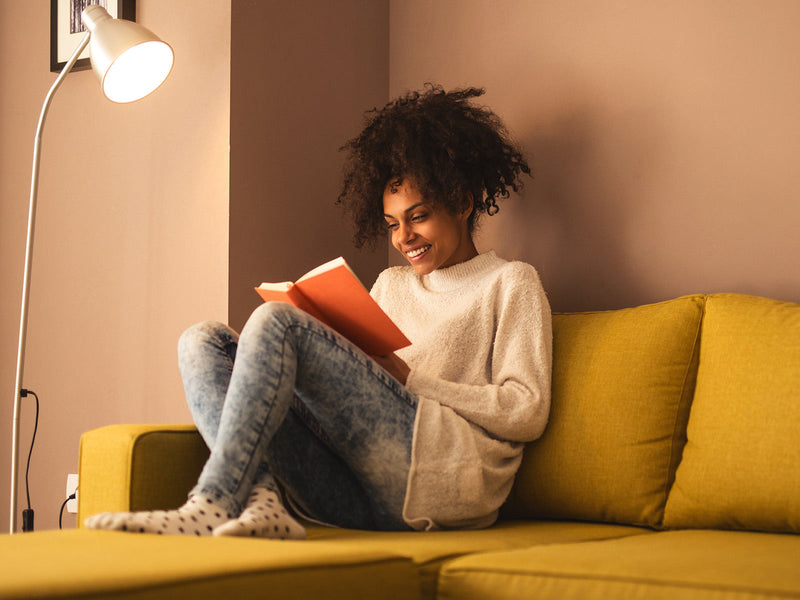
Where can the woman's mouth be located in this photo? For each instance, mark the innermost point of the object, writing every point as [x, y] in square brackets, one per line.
[417, 252]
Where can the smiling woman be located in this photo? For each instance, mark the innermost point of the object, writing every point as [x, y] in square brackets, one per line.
[428, 437]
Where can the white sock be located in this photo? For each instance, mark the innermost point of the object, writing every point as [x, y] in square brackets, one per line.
[264, 516]
[199, 516]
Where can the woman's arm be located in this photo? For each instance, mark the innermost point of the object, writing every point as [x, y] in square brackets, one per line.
[490, 365]
[514, 402]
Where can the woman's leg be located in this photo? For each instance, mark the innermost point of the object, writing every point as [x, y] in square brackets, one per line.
[330, 492]
[276, 340]
[361, 413]
[206, 353]
[318, 473]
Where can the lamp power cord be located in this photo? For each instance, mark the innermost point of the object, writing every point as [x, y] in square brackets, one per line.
[72, 496]
[27, 514]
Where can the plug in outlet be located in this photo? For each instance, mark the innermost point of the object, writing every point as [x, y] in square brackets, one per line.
[72, 487]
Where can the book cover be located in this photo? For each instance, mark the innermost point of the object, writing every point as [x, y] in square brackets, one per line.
[333, 294]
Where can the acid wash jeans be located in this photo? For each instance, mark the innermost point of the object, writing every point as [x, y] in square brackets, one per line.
[291, 400]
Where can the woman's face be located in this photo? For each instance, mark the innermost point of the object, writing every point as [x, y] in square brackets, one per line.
[427, 235]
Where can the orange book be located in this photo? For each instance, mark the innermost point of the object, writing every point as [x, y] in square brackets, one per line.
[333, 294]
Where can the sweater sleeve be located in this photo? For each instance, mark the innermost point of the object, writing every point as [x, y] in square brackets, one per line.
[514, 403]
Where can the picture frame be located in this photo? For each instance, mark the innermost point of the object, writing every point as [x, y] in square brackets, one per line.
[67, 31]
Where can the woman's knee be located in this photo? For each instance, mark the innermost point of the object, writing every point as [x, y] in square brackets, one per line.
[273, 313]
[203, 333]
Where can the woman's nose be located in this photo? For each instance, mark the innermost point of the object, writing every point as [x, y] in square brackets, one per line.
[404, 233]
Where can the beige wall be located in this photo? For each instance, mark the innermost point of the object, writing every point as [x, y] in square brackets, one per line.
[665, 137]
[302, 75]
[131, 238]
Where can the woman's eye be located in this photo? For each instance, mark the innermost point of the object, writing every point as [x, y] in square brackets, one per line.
[391, 226]
[418, 218]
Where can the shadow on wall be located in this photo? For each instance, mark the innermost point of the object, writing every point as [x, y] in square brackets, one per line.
[571, 219]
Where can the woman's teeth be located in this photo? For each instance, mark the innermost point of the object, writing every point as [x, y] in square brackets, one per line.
[417, 252]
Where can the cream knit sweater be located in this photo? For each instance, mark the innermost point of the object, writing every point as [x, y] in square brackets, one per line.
[480, 363]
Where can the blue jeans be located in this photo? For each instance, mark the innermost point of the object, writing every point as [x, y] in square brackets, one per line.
[291, 400]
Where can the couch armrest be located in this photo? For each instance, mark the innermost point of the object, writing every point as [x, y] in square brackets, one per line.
[138, 467]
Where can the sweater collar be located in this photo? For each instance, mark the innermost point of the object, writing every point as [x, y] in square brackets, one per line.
[451, 278]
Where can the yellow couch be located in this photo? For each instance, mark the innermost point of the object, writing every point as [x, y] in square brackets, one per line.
[670, 469]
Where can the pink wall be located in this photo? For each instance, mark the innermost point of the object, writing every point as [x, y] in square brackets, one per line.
[664, 137]
[302, 75]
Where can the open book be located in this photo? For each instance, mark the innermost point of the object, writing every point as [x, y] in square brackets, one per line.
[333, 294]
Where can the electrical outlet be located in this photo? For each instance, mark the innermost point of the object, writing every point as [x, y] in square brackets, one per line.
[72, 487]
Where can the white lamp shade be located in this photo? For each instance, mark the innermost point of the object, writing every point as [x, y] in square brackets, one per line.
[129, 60]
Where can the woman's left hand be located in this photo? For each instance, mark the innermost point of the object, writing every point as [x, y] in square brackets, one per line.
[395, 365]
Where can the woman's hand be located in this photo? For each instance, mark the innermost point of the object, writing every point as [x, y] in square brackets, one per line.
[396, 367]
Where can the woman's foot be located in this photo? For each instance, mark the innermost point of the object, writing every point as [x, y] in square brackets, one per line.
[199, 516]
[264, 516]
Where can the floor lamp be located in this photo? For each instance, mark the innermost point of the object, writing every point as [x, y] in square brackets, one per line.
[130, 62]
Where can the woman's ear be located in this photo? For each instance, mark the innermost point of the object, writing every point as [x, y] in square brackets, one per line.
[469, 206]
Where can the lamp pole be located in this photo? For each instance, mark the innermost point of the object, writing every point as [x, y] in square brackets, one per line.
[26, 282]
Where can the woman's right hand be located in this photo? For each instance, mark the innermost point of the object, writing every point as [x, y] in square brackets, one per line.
[395, 365]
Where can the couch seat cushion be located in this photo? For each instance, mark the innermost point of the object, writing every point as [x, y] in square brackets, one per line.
[332, 563]
[672, 565]
[98, 564]
[741, 464]
[622, 385]
[429, 550]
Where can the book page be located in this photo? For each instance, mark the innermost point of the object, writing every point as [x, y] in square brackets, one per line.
[282, 286]
[328, 266]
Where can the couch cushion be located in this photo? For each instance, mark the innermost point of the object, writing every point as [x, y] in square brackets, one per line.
[671, 565]
[622, 383]
[741, 464]
[429, 550]
[102, 564]
[332, 563]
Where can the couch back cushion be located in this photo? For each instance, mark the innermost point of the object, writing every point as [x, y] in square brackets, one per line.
[622, 385]
[741, 464]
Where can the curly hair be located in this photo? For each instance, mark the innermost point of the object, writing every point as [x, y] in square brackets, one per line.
[451, 149]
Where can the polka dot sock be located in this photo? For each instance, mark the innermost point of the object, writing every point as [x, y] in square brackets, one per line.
[264, 516]
[199, 516]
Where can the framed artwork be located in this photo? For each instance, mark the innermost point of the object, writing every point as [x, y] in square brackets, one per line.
[67, 30]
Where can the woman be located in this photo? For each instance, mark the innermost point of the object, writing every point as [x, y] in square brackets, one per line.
[429, 437]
